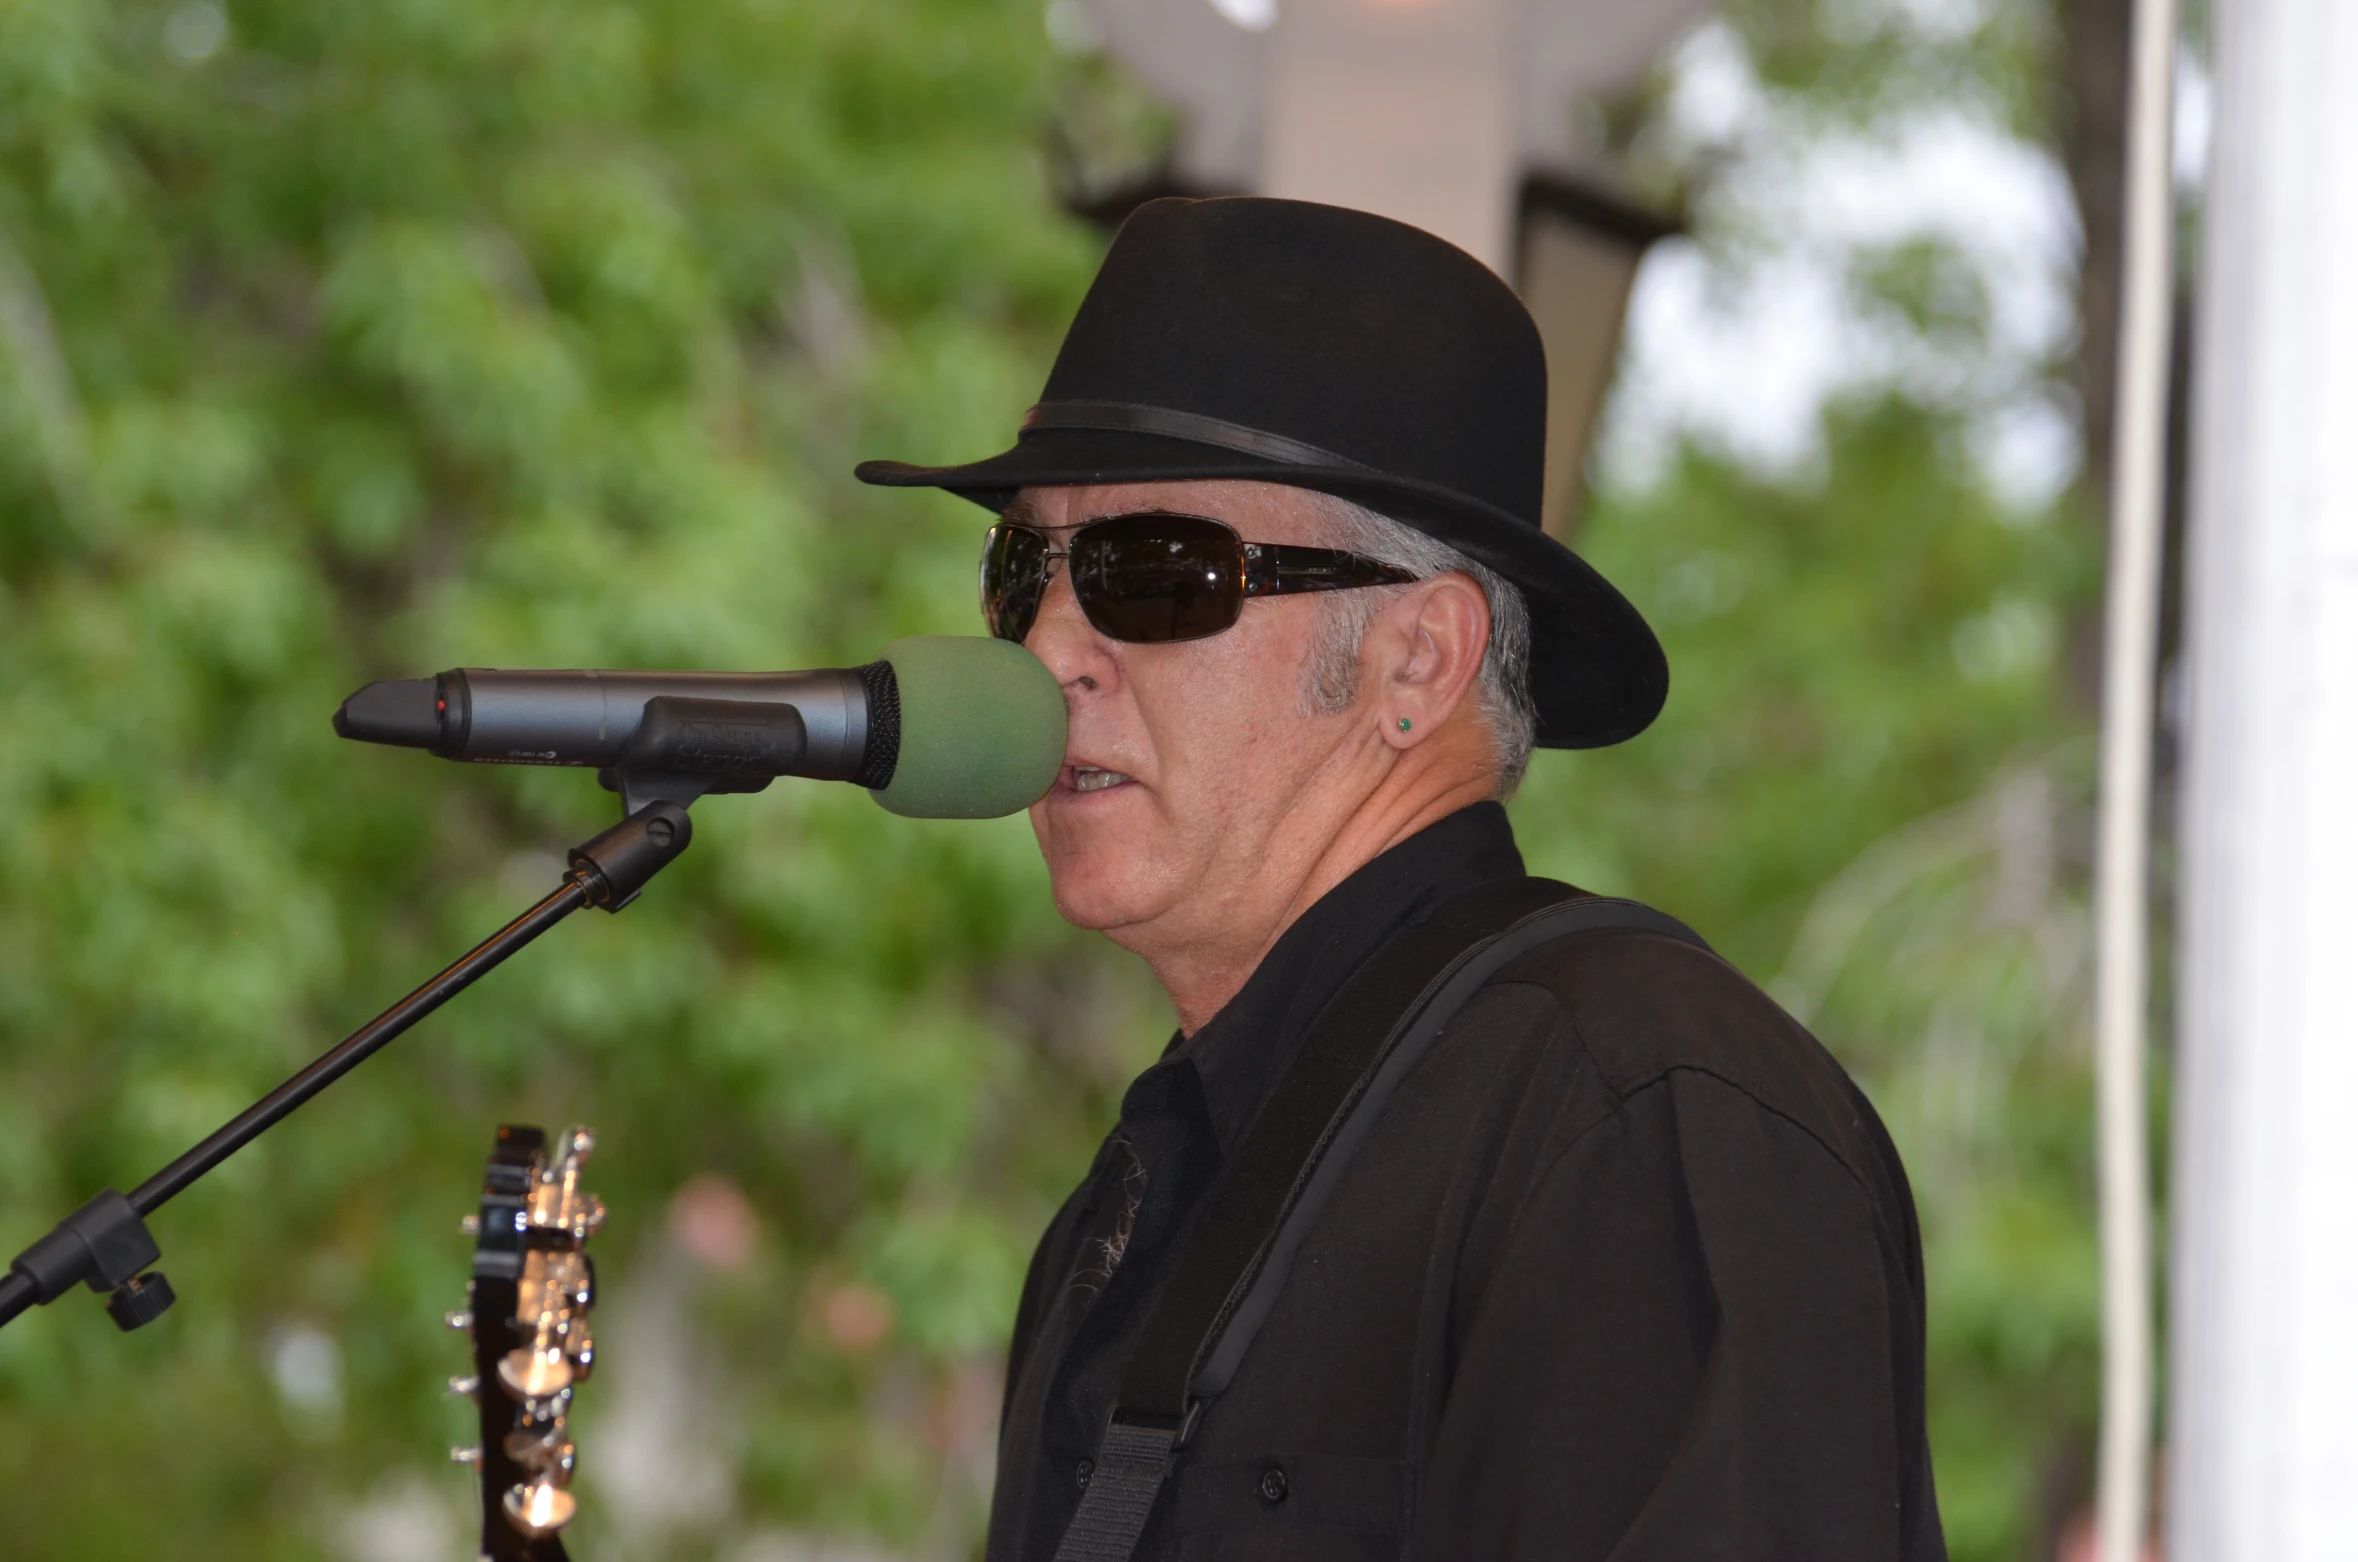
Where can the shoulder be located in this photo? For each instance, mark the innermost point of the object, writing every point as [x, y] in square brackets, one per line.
[1646, 1011]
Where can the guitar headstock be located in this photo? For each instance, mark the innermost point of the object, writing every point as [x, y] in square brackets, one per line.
[527, 1312]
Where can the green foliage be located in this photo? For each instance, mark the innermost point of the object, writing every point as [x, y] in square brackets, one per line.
[350, 343]
[1857, 61]
[1848, 653]
[1932, 290]
[341, 343]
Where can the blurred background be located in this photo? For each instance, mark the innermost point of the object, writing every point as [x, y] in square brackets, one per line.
[348, 342]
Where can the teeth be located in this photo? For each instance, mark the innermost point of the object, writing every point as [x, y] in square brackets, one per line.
[1087, 778]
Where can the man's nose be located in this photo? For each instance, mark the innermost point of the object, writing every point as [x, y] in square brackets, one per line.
[1065, 643]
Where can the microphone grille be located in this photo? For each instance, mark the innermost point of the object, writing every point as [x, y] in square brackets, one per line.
[883, 754]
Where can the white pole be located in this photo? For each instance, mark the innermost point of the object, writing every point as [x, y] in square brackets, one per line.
[2264, 1293]
[2131, 618]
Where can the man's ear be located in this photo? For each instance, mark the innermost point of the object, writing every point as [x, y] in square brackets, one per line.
[1429, 644]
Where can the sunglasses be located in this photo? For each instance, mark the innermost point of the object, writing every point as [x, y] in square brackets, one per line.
[1153, 578]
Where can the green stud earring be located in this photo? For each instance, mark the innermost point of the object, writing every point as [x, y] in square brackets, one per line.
[1404, 723]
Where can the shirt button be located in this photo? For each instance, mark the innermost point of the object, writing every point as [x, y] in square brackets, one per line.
[1273, 1485]
[1082, 1472]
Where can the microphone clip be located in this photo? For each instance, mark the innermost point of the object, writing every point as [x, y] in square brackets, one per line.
[685, 747]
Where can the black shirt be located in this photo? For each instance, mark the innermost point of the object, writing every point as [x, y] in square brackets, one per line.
[1627, 1269]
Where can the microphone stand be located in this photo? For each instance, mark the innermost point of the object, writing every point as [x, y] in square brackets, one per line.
[105, 1244]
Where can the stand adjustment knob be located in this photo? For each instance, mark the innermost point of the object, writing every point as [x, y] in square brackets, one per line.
[140, 1301]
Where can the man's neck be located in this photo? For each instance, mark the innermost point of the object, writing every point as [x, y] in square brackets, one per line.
[1203, 974]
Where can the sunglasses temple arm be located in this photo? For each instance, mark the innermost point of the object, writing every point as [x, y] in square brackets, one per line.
[1281, 569]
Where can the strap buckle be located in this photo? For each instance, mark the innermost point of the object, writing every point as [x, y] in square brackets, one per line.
[1180, 1437]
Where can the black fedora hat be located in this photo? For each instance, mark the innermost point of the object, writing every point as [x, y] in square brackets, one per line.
[1295, 343]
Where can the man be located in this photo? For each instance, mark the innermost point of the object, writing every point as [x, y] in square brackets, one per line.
[1624, 1267]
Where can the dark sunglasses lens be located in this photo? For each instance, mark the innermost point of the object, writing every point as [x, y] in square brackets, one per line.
[1149, 579]
[1012, 580]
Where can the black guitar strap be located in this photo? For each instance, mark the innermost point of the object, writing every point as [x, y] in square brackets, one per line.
[1230, 1273]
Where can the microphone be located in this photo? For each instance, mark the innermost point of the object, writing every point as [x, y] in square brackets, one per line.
[938, 727]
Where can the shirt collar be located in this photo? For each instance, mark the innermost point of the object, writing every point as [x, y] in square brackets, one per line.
[1241, 1051]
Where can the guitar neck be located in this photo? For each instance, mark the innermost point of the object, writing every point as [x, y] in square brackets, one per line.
[528, 1303]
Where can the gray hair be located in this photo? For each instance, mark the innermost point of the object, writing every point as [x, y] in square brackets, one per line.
[1330, 682]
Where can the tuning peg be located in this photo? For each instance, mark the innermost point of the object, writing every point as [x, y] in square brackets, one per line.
[459, 1321]
[535, 1374]
[581, 1350]
[542, 1418]
[540, 1509]
[461, 1388]
[573, 1280]
[558, 1202]
[470, 1225]
[549, 1453]
[467, 1456]
[575, 1145]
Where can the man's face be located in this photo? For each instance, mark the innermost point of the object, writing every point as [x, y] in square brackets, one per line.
[1193, 772]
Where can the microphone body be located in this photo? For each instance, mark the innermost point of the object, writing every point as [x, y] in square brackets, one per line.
[938, 727]
[506, 716]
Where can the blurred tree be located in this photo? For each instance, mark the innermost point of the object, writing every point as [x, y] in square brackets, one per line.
[350, 343]
[347, 343]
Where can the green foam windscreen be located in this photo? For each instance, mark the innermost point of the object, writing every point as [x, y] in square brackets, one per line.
[982, 728]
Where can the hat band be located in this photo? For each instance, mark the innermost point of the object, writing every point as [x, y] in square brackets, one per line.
[1128, 417]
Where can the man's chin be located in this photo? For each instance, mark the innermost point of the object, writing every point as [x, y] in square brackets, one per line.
[1101, 889]
[1097, 903]
[1098, 873]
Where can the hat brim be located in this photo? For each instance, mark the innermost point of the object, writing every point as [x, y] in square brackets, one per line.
[1598, 675]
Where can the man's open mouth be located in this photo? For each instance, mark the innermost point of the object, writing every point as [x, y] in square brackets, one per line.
[1088, 778]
